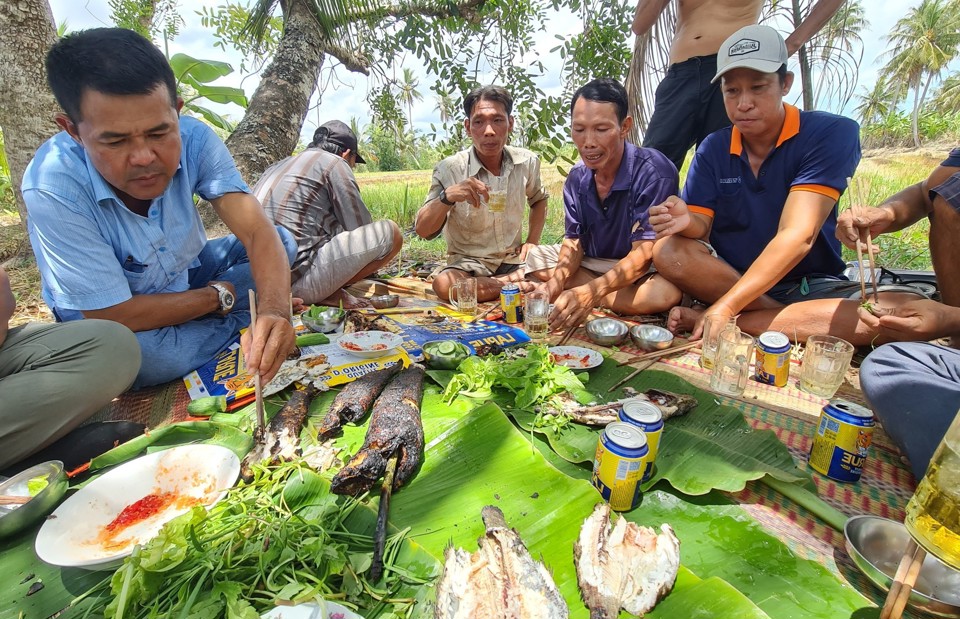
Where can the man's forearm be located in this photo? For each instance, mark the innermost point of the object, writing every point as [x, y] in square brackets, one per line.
[647, 14]
[145, 312]
[538, 217]
[907, 207]
[816, 19]
[780, 255]
[431, 218]
[628, 270]
[568, 262]
[271, 272]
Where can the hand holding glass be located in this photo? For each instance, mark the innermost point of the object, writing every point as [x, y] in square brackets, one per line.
[497, 186]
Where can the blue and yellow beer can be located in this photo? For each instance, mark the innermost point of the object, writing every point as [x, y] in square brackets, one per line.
[773, 358]
[618, 465]
[511, 302]
[648, 417]
[841, 441]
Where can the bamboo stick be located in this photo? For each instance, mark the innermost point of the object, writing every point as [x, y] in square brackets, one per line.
[903, 581]
[660, 353]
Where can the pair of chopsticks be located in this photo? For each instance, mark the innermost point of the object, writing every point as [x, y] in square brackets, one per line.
[566, 334]
[14, 500]
[859, 196]
[903, 581]
[660, 353]
[484, 313]
[257, 389]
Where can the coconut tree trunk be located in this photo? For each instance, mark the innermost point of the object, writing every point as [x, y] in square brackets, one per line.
[915, 117]
[26, 115]
[272, 122]
[806, 82]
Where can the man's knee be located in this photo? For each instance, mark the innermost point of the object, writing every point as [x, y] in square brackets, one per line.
[397, 238]
[445, 280]
[672, 255]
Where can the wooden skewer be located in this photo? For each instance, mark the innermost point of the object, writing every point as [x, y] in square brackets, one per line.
[873, 270]
[380, 533]
[903, 581]
[863, 281]
[643, 365]
[660, 353]
[402, 310]
[567, 334]
[14, 500]
[257, 389]
[483, 314]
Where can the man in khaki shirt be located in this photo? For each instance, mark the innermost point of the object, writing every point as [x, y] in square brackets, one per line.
[484, 239]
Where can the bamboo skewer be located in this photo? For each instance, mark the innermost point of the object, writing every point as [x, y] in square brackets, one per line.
[380, 533]
[403, 310]
[659, 353]
[258, 390]
[14, 500]
[859, 196]
[863, 280]
[903, 581]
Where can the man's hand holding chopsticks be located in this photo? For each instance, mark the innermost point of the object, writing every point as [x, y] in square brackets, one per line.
[273, 339]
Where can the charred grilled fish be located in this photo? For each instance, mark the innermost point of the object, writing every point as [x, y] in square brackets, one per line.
[624, 565]
[354, 400]
[395, 428]
[281, 440]
[500, 580]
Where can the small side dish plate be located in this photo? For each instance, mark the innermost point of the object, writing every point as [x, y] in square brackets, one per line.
[369, 344]
[99, 525]
[576, 357]
[310, 610]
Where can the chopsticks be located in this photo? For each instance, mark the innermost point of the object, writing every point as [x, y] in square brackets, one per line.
[566, 334]
[645, 364]
[483, 314]
[903, 581]
[14, 500]
[660, 353]
[859, 195]
[402, 310]
[258, 391]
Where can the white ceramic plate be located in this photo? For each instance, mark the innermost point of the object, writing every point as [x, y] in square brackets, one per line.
[576, 357]
[369, 344]
[311, 611]
[163, 484]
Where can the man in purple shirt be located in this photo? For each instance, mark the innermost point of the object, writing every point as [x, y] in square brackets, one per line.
[606, 253]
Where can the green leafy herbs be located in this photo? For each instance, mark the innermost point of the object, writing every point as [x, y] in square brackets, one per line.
[533, 378]
[37, 484]
[282, 539]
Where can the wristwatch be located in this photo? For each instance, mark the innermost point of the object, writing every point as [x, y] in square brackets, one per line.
[225, 296]
[443, 198]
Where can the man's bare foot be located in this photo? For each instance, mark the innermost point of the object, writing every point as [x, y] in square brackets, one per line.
[683, 319]
[347, 300]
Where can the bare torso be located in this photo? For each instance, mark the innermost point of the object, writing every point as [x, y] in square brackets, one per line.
[702, 25]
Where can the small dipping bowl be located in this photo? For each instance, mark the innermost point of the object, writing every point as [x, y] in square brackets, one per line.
[443, 362]
[651, 337]
[606, 331]
[385, 301]
[16, 518]
[326, 321]
[876, 546]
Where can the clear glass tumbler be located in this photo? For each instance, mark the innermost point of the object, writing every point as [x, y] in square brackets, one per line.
[825, 362]
[731, 368]
[712, 327]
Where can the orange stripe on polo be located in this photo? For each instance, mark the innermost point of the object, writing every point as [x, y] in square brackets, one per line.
[823, 190]
[700, 210]
[791, 127]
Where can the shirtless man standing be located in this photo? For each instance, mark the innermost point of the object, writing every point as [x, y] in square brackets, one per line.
[688, 107]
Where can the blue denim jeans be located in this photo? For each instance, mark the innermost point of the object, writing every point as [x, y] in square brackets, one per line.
[170, 353]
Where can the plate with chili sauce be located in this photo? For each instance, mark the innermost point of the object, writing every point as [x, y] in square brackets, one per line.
[98, 527]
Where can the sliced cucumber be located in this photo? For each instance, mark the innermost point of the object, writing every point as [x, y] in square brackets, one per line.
[447, 348]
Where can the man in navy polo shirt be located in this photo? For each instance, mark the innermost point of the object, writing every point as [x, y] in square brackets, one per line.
[764, 193]
[605, 256]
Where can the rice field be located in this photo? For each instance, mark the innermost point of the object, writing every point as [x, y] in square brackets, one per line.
[398, 195]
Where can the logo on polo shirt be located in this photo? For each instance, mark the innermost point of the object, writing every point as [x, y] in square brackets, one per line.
[730, 181]
[744, 46]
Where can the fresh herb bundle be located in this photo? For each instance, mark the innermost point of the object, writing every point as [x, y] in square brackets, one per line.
[281, 539]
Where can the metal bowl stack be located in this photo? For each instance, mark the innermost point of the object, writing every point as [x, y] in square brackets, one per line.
[385, 301]
[606, 331]
[651, 337]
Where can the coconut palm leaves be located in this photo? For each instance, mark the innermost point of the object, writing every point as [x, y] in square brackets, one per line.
[922, 45]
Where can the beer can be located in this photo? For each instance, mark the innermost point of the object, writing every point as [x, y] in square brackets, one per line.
[511, 304]
[773, 358]
[842, 438]
[618, 465]
[647, 416]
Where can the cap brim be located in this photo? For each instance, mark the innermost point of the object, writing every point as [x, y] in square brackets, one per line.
[763, 66]
[360, 159]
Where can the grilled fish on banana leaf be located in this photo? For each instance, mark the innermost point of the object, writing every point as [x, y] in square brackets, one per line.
[624, 565]
[354, 400]
[281, 440]
[500, 580]
[670, 405]
[395, 428]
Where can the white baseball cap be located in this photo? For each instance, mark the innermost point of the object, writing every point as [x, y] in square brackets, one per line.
[760, 48]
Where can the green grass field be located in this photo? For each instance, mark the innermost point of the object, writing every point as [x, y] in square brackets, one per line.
[398, 195]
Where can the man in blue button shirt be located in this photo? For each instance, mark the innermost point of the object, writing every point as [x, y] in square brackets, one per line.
[605, 256]
[114, 227]
[764, 193]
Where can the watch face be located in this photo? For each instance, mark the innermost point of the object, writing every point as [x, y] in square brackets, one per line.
[227, 299]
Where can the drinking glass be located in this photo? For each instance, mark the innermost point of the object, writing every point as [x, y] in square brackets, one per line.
[536, 311]
[825, 363]
[713, 325]
[731, 366]
[933, 513]
[497, 186]
[463, 296]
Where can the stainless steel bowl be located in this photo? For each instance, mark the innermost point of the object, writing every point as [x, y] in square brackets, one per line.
[15, 518]
[326, 321]
[876, 546]
[651, 337]
[606, 331]
[384, 301]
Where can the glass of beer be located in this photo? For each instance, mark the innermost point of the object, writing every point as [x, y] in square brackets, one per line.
[826, 360]
[933, 513]
[536, 311]
[712, 327]
[463, 296]
[497, 186]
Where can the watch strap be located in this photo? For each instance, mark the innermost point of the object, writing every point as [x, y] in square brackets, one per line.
[443, 198]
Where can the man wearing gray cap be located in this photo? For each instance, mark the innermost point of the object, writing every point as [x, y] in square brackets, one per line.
[315, 196]
[764, 194]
